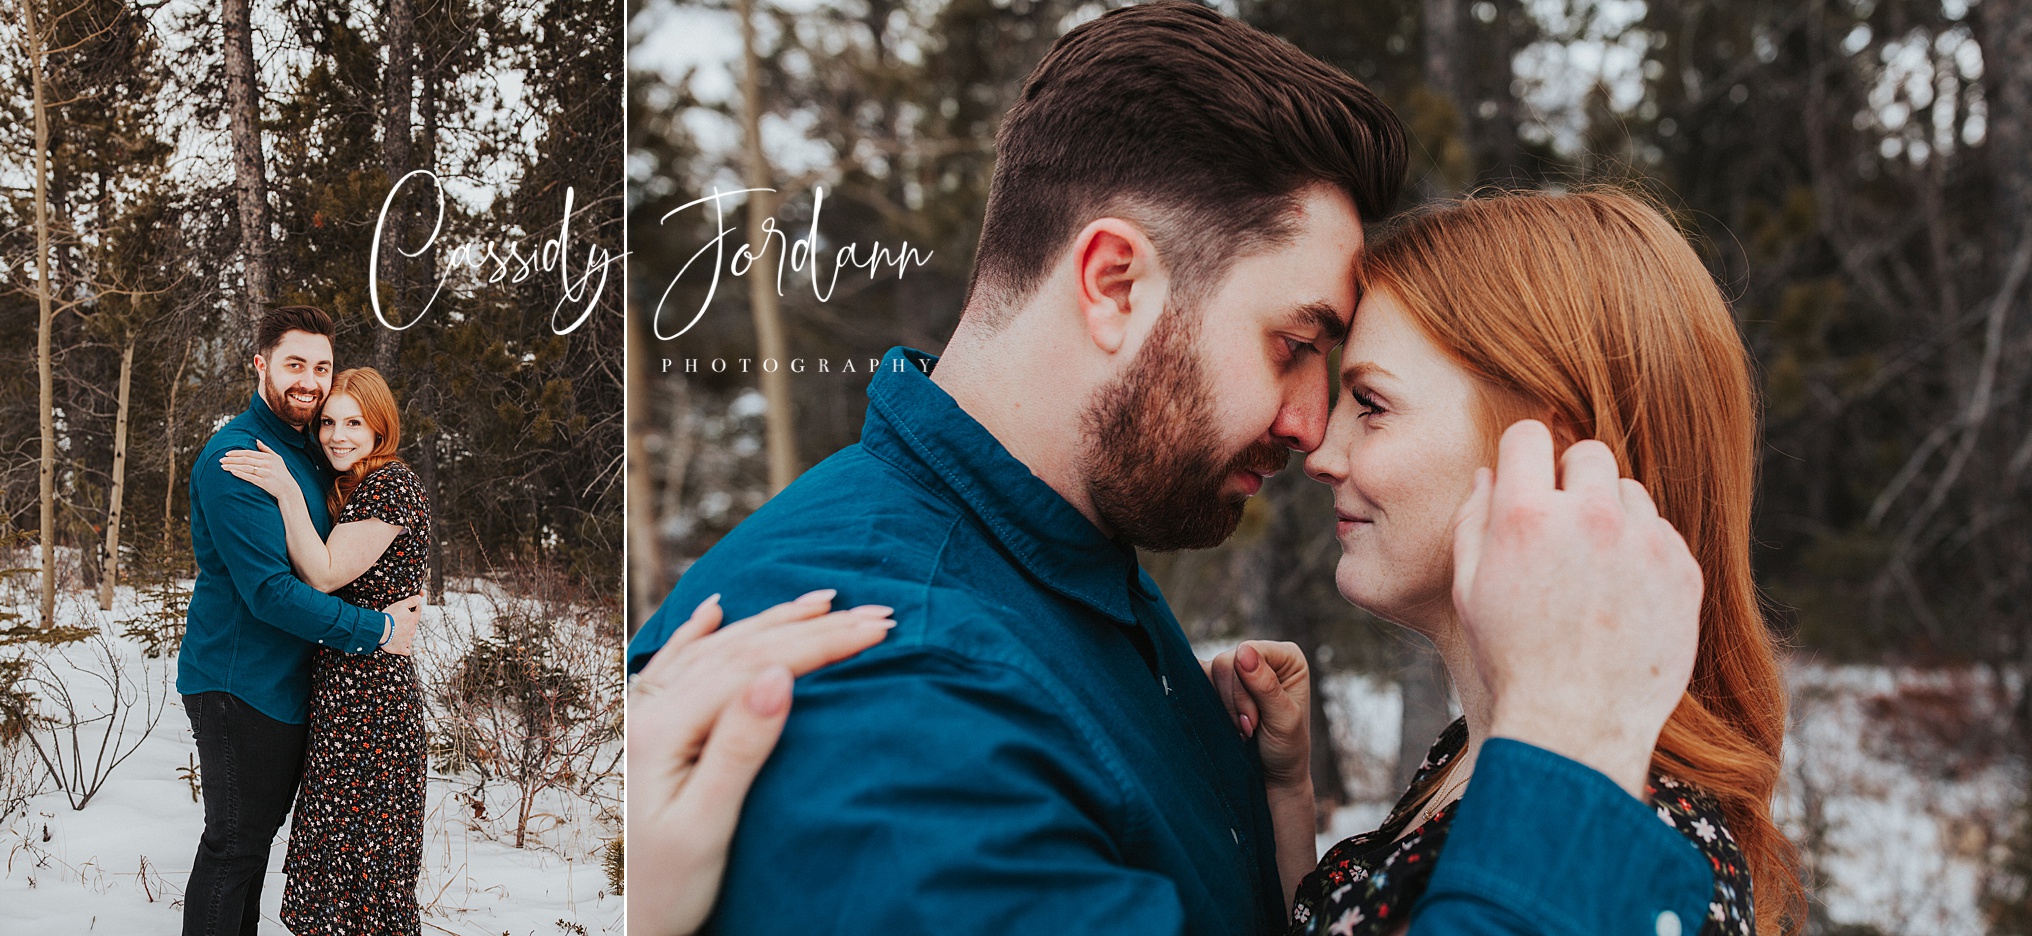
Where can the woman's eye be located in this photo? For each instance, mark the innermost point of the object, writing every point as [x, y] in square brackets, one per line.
[1367, 403]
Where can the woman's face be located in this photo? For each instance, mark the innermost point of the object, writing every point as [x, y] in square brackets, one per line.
[343, 431]
[1400, 453]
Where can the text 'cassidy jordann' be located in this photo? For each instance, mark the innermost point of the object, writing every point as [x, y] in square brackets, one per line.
[800, 256]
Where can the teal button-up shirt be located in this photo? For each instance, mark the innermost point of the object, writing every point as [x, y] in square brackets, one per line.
[253, 625]
[1034, 749]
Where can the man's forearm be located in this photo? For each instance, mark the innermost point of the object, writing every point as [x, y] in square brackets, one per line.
[1546, 845]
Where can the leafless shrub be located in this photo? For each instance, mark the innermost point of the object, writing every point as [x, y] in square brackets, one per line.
[534, 698]
[82, 738]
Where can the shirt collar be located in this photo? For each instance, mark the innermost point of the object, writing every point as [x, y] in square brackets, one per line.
[266, 417]
[914, 424]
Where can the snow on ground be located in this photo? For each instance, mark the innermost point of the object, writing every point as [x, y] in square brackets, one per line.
[119, 865]
[1902, 836]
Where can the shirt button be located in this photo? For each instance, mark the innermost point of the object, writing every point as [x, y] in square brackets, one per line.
[1167, 684]
[1668, 923]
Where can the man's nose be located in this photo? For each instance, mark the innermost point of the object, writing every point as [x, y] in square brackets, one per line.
[1301, 423]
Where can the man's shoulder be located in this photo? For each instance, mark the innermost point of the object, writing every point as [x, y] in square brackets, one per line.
[238, 433]
[850, 514]
[854, 484]
[206, 473]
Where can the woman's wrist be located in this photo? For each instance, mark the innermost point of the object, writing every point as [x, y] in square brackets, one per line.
[387, 629]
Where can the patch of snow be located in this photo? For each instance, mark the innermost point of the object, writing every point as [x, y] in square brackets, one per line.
[120, 864]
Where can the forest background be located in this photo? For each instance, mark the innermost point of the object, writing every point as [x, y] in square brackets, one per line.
[1856, 173]
[169, 169]
[195, 175]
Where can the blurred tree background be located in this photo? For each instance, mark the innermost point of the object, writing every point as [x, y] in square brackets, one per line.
[152, 153]
[1857, 174]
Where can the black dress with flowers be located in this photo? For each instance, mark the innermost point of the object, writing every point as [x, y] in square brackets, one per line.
[356, 836]
[1366, 885]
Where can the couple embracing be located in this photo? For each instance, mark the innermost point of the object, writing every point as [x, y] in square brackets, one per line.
[1013, 735]
[311, 539]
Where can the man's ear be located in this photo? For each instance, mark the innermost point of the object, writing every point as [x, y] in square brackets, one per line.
[1112, 257]
[260, 365]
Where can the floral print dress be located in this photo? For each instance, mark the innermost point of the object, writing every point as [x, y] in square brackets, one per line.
[1366, 885]
[356, 836]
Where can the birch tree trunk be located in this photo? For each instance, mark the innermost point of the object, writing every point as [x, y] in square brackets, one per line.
[169, 449]
[45, 314]
[110, 574]
[250, 173]
[762, 298]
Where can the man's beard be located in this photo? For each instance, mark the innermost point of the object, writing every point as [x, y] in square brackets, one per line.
[1150, 452]
[288, 410]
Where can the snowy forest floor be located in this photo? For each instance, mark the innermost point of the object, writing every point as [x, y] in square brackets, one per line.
[119, 865]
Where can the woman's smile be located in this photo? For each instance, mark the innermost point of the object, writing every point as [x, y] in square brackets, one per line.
[343, 432]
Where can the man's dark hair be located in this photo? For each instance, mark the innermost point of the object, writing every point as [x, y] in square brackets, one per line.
[275, 322]
[1199, 128]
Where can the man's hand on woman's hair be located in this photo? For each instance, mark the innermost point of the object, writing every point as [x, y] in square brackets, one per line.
[1581, 605]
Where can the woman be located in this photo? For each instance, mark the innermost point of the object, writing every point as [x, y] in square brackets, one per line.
[1589, 312]
[356, 836]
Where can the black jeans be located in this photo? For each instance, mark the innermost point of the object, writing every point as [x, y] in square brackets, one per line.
[249, 766]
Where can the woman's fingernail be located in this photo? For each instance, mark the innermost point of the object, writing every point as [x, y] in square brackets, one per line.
[1247, 729]
[874, 610]
[823, 594]
[875, 623]
[711, 600]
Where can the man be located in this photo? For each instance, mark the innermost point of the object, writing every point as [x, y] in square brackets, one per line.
[244, 668]
[1167, 258]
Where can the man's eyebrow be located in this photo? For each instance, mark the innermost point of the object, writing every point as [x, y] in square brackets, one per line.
[1323, 316]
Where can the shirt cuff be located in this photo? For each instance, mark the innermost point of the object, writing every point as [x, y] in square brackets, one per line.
[1561, 849]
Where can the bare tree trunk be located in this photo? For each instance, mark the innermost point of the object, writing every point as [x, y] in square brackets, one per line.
[645, 555]
[2007, 75]
[762, 298]
[45, 313]
[425, 382]
[396, 102]
[1441, 20]
[109, 575]
[250, 173]
[1422, 680]
[169, 448]
[1505, 156]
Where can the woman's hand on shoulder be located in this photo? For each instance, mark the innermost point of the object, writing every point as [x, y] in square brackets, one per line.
[263, 469]
[703, 716]
[1267, 689]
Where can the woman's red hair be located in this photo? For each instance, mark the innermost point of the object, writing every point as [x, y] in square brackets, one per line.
[377, 408]
[1590, 311]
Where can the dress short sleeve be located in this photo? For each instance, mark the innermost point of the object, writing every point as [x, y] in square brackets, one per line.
[391, 493]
